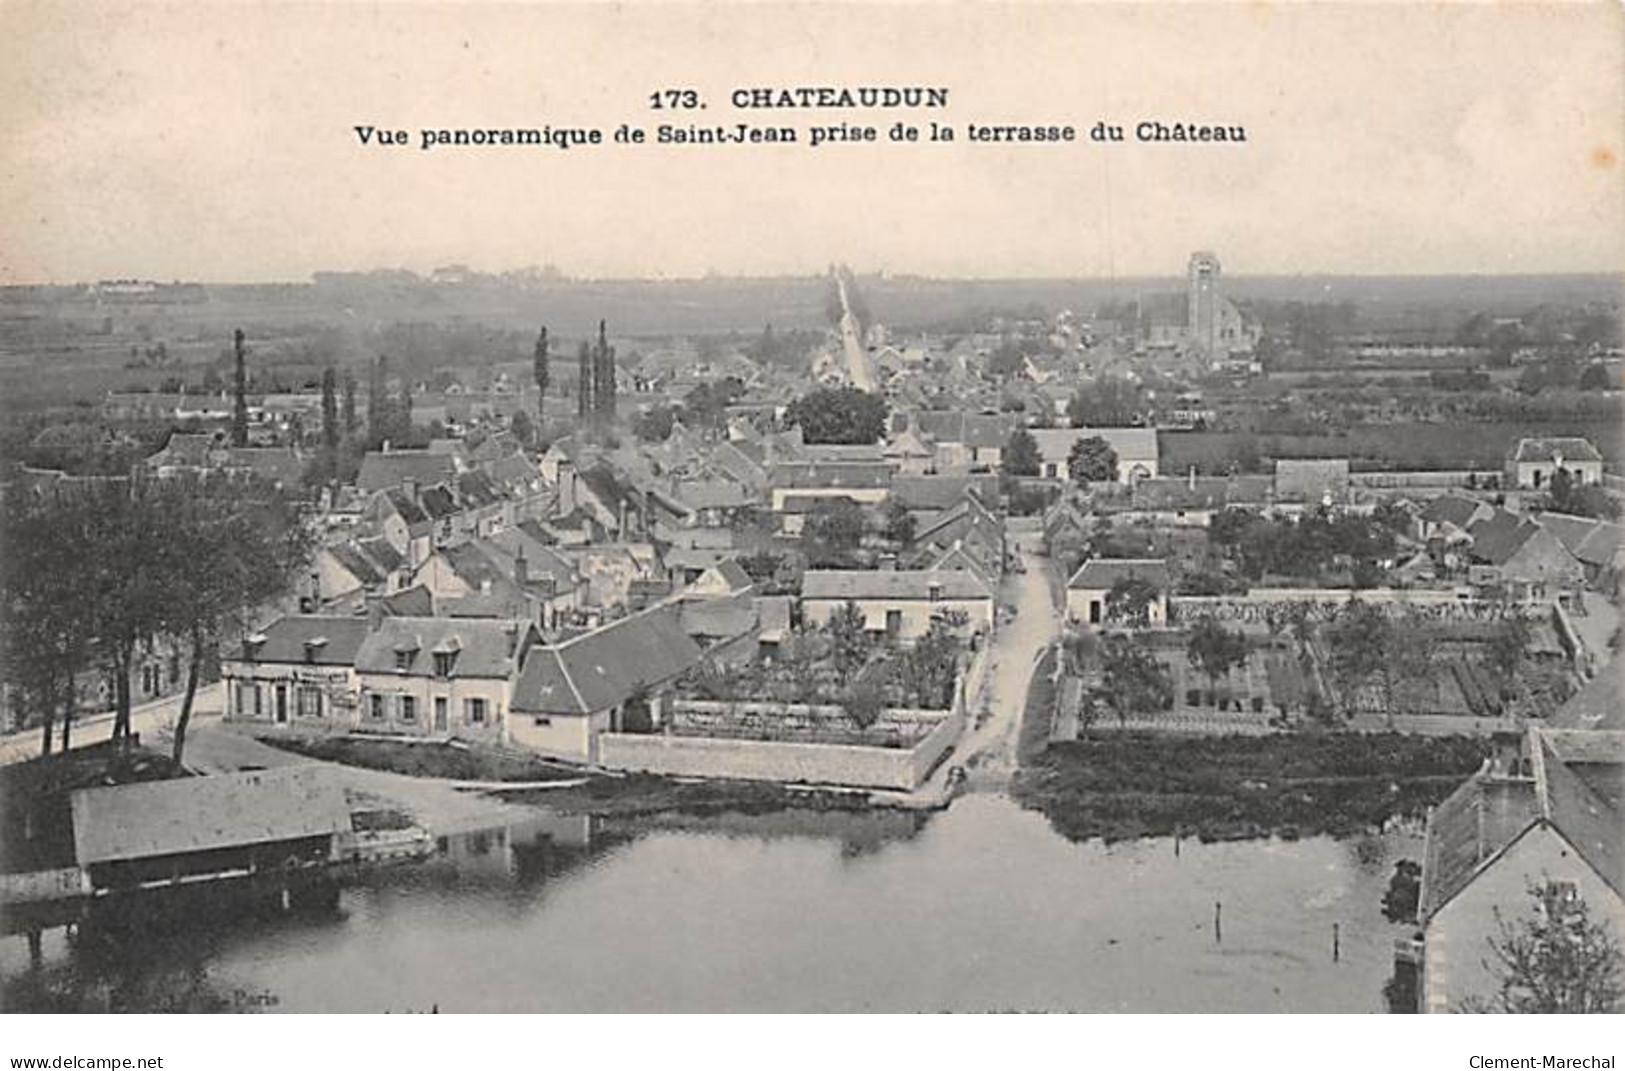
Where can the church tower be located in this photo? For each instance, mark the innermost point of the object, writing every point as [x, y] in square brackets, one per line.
[1203, 303]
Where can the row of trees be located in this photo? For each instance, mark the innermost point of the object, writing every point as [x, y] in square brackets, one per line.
[97, 573]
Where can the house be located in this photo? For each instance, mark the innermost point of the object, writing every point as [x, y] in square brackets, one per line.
[397, 516]
[610, 570]
[1448, 517]
[569, 693]
[962, 441]
[1092, 584]
[382, 470]
[164, 832]
[298, 671]
[1599, 546]
[1550, 817]
[510, 574]
[931, 494]
[437, 676]
[1524, 557]
[1532, 462]
[1190, 502]
[967, 527]
[1136, 450]
[866, 482]
[901, 602]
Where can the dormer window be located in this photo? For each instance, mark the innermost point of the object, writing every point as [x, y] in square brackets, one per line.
[403, 661]
[252, 645]
[443, 662]
[313, 647]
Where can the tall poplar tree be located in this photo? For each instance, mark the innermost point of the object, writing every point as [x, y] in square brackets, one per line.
[239, 412]
[541, 371]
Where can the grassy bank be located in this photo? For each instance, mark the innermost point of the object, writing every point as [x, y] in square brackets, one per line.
[1122, 785]
[429, 759]
[646, 794]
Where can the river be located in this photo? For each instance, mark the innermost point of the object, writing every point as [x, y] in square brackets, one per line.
[982, 907]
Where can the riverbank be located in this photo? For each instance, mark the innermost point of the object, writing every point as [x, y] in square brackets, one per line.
[1120, 786]
[431, 759]
[637, 795]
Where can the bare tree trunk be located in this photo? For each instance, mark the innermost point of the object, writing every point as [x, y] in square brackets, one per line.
[49, 724]
[121, 699]
[70, 699]
[191, 693]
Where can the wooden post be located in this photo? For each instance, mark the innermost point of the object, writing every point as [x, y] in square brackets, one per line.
[1337, 944]
[36, 952]
[1218, 934]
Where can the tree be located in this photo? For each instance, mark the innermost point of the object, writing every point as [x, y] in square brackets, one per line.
[1129, 601]
[864, 702]
[541, 372]
[1106, 403]
[834, 529]
[1555, 959]
[330, 410]
[45, 606]
[849, 639]
[654, 425]
[233, 547]
[1360, 638]
[842, 415]
[522, 426]
[1134, 681]
[1092, 460]
[1596, 378]
[1020, 457]
[1215, 650]
[930, 669]
[585, 406]
[350, 421]
[1507, 647]
[239, 411]
[900, 524]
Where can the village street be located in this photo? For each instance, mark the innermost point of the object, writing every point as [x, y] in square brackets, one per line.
[987, 751]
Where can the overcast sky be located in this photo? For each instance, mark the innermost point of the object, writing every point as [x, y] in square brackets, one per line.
[214, 143]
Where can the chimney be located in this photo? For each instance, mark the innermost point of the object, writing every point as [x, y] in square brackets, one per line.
[1192, 482]
[567, 488]
[409, 484]
[521, 568]
[375, 612]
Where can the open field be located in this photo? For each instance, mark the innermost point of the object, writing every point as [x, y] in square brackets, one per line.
[1378, 447]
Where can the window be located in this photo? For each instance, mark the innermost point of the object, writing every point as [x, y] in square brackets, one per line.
[376, 707]
[248, 699]
[541, 721]
[442, 663]
[310, 701]
[409, 708]
[403, 661]
[474, 711]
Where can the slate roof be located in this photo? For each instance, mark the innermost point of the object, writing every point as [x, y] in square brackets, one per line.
[1490, 811]
[194, 814]
[891, 585]
[714, 494]
[943, 492]
[601, 669]
[488, 649]
[381, 471]
[1597, 705]
[856, 475]
[1130, 444]
[293, 638]
[1451, 509]
[278, 464]
[1498, 537]
[1594, 542]
[357, 563]
[1102, 574]
[1569, 448]
[415, 601]
[1469, 828]
[1205, 492]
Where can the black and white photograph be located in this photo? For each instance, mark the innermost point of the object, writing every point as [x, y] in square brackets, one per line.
[811, 508]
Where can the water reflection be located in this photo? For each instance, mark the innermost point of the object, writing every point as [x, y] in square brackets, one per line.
[982, 907]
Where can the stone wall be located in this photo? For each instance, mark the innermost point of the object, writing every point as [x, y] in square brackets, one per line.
[856, 766]
[1255, 607]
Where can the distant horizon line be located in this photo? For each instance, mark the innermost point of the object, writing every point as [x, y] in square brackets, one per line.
[565, 279]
